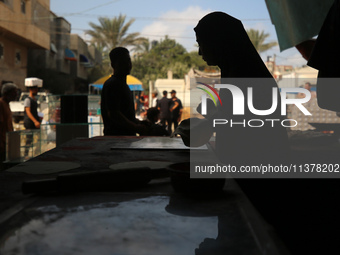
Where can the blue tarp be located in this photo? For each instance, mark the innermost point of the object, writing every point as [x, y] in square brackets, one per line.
[69, 54]
[83, 58]
[84, 61]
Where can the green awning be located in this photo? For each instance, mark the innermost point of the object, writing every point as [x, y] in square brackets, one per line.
[296, 21]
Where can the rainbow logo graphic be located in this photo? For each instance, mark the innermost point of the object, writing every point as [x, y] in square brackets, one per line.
[209, 93]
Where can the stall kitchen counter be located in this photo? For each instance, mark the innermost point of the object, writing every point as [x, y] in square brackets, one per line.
[151, 219]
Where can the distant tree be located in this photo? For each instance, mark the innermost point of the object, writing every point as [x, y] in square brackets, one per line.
[258, 39]
[196, 61]
[143, 48]
[159, 57]
[111, 33]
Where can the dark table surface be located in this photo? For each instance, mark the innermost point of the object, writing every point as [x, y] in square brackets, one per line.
[152, 219]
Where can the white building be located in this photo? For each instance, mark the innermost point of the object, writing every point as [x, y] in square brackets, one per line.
[298, 77]
[186, 88]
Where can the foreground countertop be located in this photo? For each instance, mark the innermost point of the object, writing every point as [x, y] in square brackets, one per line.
[148, 220]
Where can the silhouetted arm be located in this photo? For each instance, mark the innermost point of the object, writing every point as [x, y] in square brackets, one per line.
[125, 122]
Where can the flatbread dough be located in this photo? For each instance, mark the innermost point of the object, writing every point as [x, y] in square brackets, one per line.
[43, 167]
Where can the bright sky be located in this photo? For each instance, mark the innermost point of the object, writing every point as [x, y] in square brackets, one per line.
[176, 18]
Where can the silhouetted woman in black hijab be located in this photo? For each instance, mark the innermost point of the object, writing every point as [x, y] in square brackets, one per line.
[224, 42]
[300, 216]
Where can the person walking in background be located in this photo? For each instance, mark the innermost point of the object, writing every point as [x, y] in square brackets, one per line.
[142, 101]
[31, 118]
[3, 82]
[9, 93]
[164, 108]
[175, 109]
[307, 86]
[137, 104]
[143, 105]
[154, 99]
[117, 106]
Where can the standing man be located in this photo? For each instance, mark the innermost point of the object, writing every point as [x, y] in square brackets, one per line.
[176, 109]
[9, 93]
[154, 99]
[307, 86]
[117, 104]
[31, 118]
[137, 104]
[164, 108]
[142, 101]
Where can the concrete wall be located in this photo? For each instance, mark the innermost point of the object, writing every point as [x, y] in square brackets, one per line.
[60, 75]
[29, 27]
[78, 46]
[11, 68]
[22, 29]
[298, 77]
[94, 54]
[62, 28]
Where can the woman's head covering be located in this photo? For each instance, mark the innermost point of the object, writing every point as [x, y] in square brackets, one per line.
[228, 41]
[219, 28]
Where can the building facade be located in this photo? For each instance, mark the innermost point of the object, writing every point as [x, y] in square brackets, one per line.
[64, 66]
[23, 26]
[50, 64]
